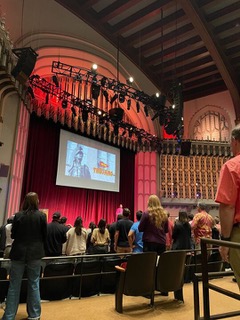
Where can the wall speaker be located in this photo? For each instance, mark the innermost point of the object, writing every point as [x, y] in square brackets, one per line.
[26, 62]
[4, 170]
[116, 114]
[186, 148]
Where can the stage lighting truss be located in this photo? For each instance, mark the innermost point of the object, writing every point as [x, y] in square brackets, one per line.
[86, 107]
[122, 92]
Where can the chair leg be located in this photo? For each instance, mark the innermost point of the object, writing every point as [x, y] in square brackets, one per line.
[152, 300]
[179, 295]
[119, 295]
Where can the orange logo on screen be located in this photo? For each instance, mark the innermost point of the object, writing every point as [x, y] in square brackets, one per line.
[103, 164]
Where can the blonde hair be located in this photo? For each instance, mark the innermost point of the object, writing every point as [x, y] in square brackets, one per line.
[156, 212]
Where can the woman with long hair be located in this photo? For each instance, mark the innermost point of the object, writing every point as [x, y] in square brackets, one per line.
[29, 231]
[100, 238]
[154, 225]
[76, 239]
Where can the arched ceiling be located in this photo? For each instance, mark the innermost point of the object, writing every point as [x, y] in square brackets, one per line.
[194, 42]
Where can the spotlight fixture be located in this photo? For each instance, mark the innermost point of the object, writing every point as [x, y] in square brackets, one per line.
[55, 81]
[138, 106]
[157, 94]
[94, 67]
[114, 98]
[146, 111]
[105, 93]
[103, 81]
[130, 132]
[64, 104]
[130, 80]
[129, 104]
[95, 89]
[121, 98]
[124, 132]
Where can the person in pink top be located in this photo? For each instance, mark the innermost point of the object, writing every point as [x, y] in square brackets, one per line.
[228, 195]
[119, 210]
[202, 225]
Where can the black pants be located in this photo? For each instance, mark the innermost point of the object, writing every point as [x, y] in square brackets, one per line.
[154, 247]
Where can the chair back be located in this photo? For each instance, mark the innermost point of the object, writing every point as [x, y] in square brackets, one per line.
[56, 288]
[140, 274]
[88, 282]
[170, 271]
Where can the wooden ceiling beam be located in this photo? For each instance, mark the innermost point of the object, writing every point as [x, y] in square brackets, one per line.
[156, 27]
[139, 17]
[223, 65]
[114, 10]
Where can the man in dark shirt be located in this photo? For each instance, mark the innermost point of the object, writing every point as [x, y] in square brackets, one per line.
[112, 230]
[56, 236]
[121, 244]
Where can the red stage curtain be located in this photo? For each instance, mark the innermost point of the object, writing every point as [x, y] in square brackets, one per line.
[40, 176]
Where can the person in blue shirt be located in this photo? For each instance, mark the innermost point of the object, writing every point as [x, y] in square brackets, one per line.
[135, 236]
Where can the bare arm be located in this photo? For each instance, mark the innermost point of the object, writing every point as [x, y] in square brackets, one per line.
[131, 238]
[226, 214]
[116, 239]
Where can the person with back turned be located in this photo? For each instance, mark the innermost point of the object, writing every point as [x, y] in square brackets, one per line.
[228, 195]
[29, 230]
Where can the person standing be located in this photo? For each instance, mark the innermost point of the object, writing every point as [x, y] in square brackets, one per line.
[121, 244]
[181, 232]
[154, 225]
[228, 195]
[202, 225]
[56, 236]
[29, 230]
[76, 239]
[135, 236]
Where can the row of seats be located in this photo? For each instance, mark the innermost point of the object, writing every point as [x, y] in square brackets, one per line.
[60, 280]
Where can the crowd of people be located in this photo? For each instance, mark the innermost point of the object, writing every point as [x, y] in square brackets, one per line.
[28, 237]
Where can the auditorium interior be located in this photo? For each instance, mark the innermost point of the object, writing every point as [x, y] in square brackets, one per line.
[158, 80]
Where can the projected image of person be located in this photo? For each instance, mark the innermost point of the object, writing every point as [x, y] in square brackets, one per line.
[78, 169]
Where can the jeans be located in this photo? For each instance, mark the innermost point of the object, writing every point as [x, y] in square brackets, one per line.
[33, 295]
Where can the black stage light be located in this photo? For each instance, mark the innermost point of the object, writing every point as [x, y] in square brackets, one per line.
[146, 111]
[103, 81]
[138, 106]
[64, 104]
[95, 91]
[121, 98]
[105, 93]
[55, 81]
[114, 98]
[129, 104]
[124, 132]
[130, 132]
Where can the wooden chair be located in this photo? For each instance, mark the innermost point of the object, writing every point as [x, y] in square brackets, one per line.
[138, 279]
[170, 272]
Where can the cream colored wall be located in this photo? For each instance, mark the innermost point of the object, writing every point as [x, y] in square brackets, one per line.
[10, 117]
[192, 108]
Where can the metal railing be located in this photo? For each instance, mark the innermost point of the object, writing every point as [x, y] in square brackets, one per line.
[205, 276]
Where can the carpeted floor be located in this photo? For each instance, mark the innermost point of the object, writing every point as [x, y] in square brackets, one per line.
[102, 307]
